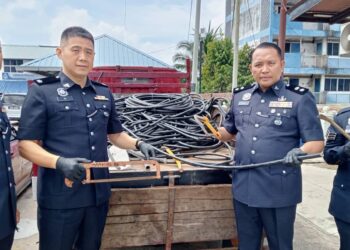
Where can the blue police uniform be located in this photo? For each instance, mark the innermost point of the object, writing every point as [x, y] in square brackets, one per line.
[7, 185]
[267, 126]
[71, 122]
[340, 198]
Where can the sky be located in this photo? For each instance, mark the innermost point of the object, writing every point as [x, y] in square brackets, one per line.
[152, 26]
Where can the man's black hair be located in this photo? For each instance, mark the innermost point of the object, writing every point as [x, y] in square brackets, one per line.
[266, 45]
[76, 31]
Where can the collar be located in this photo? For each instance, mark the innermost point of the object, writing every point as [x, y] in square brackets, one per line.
[67, 83]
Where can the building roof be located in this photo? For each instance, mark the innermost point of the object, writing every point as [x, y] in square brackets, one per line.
[109, 52]
[328, 11]
[29, 52]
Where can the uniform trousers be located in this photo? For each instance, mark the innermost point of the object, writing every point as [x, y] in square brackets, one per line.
[344, 233]
[6, 243]
[278, 224]
[67, 229]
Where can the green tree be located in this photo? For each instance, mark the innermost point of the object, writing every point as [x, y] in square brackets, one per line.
[217, 66]
[244, 75]
[185, 48]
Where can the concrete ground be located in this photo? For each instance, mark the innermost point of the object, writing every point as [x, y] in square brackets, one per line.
[314, 227]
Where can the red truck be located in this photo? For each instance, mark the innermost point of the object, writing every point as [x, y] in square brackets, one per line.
[132, 79]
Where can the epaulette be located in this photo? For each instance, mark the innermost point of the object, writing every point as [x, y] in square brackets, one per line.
[297, 89]
[344, 110]
[99, 83]
[47, 80]
[239, 89]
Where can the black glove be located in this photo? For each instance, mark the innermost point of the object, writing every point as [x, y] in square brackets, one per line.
[292, 157]
[71, 167]
[146, 149]
[346, 149]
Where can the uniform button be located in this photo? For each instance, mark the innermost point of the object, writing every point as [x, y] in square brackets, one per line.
[93, 147]
[342, 185]
[6, 152]
[88, 105]
[262, 101]
[284, 172]
[258, 113]
[92, 133]
[241, 112]
[253, 152]
[66, 107]
[104, 106]
[9, 169]
[278, 114]
[254, 138]
[10, 184]
[83, 93]
[273, 111]
[90, 119]
[256, 125]
[3, 137]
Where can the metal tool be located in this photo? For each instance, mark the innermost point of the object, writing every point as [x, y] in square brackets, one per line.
[178, 163]
[146, 164]
[206, 122]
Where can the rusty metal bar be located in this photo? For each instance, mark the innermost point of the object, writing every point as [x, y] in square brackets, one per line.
[88, 167]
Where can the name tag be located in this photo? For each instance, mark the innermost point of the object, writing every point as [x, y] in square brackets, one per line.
[276, 104]
[243, 103]
[101, 98]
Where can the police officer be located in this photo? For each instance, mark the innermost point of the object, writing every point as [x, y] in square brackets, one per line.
[337, 151]
[268, 119]
[65, 121]
[9, 215]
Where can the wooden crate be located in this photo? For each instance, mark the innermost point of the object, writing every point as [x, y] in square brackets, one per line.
[139, 216]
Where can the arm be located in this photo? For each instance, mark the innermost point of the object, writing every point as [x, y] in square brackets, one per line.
[123, 140]
[312, 147]
[225, 135]
[32, 151]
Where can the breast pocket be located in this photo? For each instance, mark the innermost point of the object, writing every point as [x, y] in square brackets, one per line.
[65, 114]
[281, 119]
[242, 115]
[103, 110]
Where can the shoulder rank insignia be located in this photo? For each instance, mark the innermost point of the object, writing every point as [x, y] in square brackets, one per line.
[239, 89]
[47, 80]
[297, 89]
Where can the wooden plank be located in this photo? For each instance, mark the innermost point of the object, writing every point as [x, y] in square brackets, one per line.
[138, 217]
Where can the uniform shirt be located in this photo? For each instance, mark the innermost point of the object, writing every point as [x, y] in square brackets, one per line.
[268, 125]
[7, 182]
[333, 154]
[71, 122]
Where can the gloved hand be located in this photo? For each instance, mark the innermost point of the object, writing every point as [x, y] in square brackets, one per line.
[71, 167]
[146, 149]
[292, 157]
[346, 149]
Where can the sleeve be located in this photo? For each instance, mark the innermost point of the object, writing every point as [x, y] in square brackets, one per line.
[229, 122]
[114, 124]
[32, 124]
[308, 120]
[333, 150]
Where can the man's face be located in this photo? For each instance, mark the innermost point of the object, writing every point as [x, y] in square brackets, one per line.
[266, 67]
[0, 57]
[77, 55]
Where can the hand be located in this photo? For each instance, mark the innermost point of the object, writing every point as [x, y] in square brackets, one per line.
[346, 149]
[71, 167]
[292, 157]
[146, 149]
